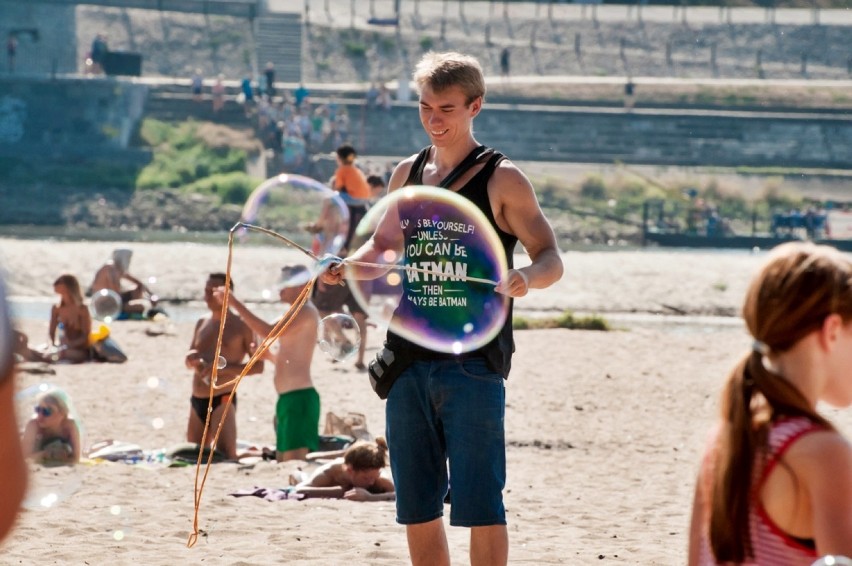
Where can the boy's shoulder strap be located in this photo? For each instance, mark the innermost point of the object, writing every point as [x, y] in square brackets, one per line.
[490, 165]
[475, 156]
[472, 159]
[415, 175]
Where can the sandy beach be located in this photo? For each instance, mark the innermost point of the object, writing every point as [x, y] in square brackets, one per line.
[604, 429]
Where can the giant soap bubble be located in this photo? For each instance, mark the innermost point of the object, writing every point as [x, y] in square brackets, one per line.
[299, 208]
[339, 336]
[431, 276]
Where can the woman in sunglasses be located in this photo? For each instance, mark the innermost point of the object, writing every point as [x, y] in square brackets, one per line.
[51, 436]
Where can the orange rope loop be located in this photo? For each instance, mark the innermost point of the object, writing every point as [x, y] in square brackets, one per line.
[279, 328]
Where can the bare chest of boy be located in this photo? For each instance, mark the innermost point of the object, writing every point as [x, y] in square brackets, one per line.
[233, 344]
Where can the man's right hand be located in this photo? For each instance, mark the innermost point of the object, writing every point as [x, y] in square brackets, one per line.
[193, 360]
[333, 275]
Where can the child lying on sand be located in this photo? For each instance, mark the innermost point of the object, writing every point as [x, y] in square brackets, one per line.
[356, 476]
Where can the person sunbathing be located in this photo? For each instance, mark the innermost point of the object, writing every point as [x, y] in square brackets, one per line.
[356, 476]
[51, 436]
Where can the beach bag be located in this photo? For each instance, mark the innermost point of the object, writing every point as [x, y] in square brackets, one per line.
[107, 350]
[353, 425]
[385, 369]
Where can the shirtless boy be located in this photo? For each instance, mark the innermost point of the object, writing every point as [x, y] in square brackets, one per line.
[238, 342]
[297, 412]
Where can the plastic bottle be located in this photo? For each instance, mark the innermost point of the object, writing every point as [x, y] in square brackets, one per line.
[60, 334]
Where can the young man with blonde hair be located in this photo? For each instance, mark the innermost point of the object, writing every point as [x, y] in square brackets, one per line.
[424, 434]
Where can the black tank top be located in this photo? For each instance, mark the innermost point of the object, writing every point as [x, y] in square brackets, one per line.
[498, 352]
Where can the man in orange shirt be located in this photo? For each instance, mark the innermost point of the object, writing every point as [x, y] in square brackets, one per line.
[353, 187]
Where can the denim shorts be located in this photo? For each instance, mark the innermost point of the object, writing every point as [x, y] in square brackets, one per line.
[440, 410]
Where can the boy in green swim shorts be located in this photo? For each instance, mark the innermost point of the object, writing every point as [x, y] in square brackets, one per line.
[297, 412]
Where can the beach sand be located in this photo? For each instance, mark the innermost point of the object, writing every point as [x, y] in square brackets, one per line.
[604, 429]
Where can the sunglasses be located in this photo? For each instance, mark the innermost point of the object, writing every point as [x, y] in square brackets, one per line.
[43, 411]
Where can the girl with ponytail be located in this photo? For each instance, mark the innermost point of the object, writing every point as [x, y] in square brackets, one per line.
[775, 485]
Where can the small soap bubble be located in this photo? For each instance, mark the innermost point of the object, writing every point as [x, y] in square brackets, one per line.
[154, 396]
[339, 336]
[105, 305]
[221, 362]
[120, 517]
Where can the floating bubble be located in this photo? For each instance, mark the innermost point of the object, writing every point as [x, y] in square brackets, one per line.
[154, 396]
[221, 362]
[45, 411]
[300, 209]
[105, 305]
[120, 516]
[339, 336]
[152, 296]
[434, 264]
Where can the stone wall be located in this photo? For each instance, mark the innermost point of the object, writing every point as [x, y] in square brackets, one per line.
[47, 37]
[77, 116]
[655, 136]
[68, 118]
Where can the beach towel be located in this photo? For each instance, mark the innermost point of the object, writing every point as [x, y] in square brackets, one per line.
[269, 494]
[187, 452]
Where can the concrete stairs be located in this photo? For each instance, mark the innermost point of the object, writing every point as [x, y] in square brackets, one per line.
[178, 107]
[278, 38]
[662, 136]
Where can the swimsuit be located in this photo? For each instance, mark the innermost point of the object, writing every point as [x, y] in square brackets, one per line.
[199, 404]
[297, 420]
[770, 544]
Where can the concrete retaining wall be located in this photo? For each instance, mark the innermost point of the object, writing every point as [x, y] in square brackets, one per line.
[670, 137]
[68, 118]
[80, 115]
[47, 40]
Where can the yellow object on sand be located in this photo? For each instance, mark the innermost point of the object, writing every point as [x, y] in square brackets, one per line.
[98, 333]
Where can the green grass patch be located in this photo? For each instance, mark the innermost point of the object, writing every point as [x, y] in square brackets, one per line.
[197, 158]
[355, 49]
[566, 320]
[230, 188]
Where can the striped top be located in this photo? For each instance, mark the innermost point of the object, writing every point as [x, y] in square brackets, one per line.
[771, 545]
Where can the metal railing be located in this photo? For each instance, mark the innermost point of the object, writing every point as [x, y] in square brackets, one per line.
[236, 8]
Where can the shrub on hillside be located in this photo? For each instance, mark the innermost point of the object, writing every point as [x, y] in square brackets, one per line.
[230, 188]
[188, 153]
